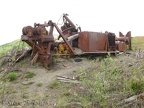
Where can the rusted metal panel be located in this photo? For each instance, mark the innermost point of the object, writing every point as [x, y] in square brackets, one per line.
[125, 38]
[128, 35]
[83, 41]
[92, 41]
[111, 40]
[121, 46]
[121, 34]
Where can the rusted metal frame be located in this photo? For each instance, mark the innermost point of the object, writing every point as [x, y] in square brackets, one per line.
[67, 29]
[129, 37]
[61, 54]
[34, 50]
[51, 30]
[45, 25]
[100, 52]
[33, 44]
[65, 16]
[106, 44]
[121, 34]
[109, 48]
[48, 47]
[40, 51]
[61, 34]
[29, 43]
[126, 38]
[35, 58]
[50, 34]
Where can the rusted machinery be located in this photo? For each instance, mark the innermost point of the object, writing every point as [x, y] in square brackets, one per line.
[122, 41]
[40, 41]
[75, 41]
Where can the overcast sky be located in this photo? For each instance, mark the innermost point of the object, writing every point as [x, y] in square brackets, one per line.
[91, 15]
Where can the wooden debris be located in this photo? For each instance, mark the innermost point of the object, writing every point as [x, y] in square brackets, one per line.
[132, 99]
[35, 58]
[74, 105]
[67, 79]
[21, 55]
[11, 60]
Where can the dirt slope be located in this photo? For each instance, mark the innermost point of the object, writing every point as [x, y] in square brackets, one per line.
[27, 89]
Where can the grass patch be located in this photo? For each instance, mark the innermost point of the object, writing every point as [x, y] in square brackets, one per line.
[24, 62]
[55, 84]
[14, 91]
[66, 93]
[138, 43]
[12, 76]
[30, 75]
[62, 102]
[105, 79]
[137, 86]
[39, 84]
[9, 46]
[25, 96]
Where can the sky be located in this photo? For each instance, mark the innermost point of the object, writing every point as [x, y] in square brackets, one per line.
[91, 15]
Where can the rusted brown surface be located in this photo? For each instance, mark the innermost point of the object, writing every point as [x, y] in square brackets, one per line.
[121, 34]
[92, 41]
[28, 30]
[128, 35]
[123, 39]
[40, 30]
[102, 42]
[40, 41]
[68, 28]
[121, 46]
[65, 40]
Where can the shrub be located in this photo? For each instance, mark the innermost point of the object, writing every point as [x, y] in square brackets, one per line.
[12, 76]
[137, 86]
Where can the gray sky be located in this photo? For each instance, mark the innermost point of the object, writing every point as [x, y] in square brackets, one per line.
[91, 15]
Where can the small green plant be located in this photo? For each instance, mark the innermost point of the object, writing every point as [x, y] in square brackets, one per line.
[62, 102]
[137, 86]
[14, 91]
[30, 75]
[25, 96]
[54, 60]
[4, 49]
[12, 76]
[66, 93]
[24, 62]
[54, 85]
[39, 84]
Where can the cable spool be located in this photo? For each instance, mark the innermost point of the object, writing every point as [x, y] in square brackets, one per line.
[28, 30]
[40, 30]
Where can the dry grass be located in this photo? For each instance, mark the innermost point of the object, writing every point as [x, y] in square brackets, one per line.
[138, 43]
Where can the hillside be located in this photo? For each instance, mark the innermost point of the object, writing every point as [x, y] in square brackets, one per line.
[80, 82]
